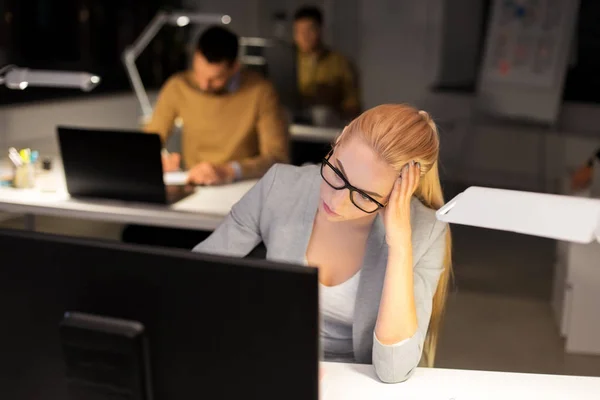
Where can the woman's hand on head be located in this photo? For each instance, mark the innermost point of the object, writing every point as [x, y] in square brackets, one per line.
[396, 215]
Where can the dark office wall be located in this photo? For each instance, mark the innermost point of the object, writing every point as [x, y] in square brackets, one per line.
[583, 80]
[87, 35]
[45, 30]
[4, 16]
[464, 24]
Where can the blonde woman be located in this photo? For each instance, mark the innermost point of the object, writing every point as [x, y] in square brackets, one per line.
[366, 218]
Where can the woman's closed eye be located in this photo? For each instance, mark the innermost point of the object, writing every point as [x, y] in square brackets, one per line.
[365, 197]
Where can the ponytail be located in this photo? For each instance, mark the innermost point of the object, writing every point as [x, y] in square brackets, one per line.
[429, 192]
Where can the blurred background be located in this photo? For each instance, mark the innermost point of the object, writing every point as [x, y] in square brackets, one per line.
[524, 130]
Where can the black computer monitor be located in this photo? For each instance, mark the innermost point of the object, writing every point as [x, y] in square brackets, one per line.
[80, 316]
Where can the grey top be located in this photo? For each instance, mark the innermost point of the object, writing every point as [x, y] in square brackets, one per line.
[279, 211]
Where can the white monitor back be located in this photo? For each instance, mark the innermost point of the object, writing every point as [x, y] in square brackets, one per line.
[568, 218]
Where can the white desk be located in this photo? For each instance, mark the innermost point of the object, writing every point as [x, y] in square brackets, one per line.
[203, 210]
[351, 381]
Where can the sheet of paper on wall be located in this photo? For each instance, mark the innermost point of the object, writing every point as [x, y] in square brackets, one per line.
[175, 178]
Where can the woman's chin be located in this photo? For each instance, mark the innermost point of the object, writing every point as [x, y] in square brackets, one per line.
[331, 218]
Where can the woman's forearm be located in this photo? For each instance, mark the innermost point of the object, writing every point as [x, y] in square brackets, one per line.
[397, 318]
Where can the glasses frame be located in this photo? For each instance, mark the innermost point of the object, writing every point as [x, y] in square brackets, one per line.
[347, 185]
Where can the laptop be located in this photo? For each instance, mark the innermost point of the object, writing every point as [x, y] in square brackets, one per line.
[117, 165]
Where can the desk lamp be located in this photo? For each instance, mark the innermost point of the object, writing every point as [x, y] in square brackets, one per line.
[567, 218]
[20, 78]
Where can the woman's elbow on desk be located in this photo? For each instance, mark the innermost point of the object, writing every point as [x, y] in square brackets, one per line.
[396, 363]
[394, 374]
[392, 379]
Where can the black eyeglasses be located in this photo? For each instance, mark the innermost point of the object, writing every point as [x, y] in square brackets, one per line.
[334, 178]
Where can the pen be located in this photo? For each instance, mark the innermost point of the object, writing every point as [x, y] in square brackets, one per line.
[16, 160]
[26, 155]
[14, 152]
[14, 156]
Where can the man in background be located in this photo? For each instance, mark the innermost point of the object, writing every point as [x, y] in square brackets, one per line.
[324, 77]
[233, 125]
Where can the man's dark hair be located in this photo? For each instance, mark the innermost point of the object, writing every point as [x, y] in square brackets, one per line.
[309, 12]
[218, 44]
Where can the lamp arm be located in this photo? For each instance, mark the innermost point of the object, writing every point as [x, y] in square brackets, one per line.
[138, 87]
[135, 49]
[132, 52]
[3, 72]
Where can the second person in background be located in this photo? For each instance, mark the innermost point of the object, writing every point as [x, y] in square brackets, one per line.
[233, 125]
[325, 77]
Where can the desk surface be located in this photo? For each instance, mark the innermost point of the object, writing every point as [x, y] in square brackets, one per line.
[204, 210]
[352, 381]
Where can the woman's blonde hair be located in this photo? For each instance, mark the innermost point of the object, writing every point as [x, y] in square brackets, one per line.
[400, 133]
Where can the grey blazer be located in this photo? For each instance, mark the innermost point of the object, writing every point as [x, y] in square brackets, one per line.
[279, 211]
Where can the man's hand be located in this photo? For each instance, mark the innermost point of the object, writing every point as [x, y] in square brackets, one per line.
[208, 174]
[171, 162]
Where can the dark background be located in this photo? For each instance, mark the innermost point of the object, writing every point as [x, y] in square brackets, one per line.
[90, 35]
[87, 35]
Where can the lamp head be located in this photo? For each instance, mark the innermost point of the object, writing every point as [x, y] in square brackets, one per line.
[21, 78]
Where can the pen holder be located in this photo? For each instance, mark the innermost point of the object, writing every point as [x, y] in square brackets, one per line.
[24, 177]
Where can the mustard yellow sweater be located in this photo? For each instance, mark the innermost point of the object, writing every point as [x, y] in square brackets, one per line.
[247, 125]
[327, 78]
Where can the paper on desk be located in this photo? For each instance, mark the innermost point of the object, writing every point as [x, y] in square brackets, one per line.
[175, 178]
[216, 200]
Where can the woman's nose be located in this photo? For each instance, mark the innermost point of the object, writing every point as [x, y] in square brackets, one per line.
[340, 200]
